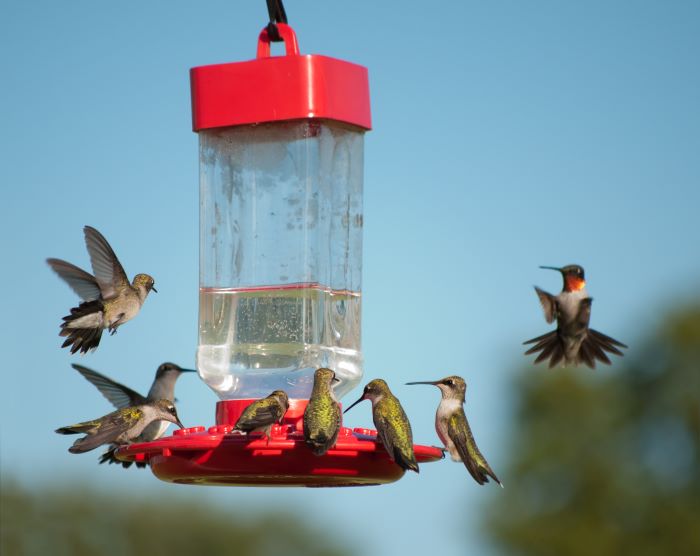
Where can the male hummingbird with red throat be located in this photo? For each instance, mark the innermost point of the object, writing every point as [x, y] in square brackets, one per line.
[573, 342]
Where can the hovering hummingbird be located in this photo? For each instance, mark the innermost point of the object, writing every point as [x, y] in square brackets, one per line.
[262, 414]
[453, 429]
[109, 300]
[120, 427]
[573, 342]
[391, 422]
[322, 416]
[121, 397]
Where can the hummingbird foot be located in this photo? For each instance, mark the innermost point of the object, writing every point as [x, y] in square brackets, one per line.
[113, 327]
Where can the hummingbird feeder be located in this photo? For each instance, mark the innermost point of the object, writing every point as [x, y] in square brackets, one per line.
[281, 173]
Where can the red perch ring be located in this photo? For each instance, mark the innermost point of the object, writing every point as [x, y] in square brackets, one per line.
[220, 456]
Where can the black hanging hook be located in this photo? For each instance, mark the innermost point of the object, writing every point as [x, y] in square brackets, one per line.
[275, 9]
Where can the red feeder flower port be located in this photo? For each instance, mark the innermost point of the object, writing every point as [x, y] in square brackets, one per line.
[281, 172]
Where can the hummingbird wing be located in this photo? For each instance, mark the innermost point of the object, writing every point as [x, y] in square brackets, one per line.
[119, 396]
[259, 414]
[461, 435]
[81, 282]
[394, 431]
[583, 316]
[108, 430]
[549, 304]
[109, 272]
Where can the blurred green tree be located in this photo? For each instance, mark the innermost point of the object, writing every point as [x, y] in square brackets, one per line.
[608, 462]
[78, 521]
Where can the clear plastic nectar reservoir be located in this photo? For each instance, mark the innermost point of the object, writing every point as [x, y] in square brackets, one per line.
[281, 257]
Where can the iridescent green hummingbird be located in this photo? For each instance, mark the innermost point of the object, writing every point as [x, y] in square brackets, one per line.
[120, 427]
[262, 414]
[109, 300]
[322, 415]
[121, 396]
[392, 425]
[573, 342]
[453, 429]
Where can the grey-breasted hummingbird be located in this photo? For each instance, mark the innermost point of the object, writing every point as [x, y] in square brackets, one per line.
[453, 429]
[393, 428]
[109, 300]
[573, 342]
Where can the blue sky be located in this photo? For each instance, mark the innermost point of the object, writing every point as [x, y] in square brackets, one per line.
[506, 135]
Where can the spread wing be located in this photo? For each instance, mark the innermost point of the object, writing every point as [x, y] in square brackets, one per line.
[549, 304]
[119, 396]
[108, 270]
[80, 282]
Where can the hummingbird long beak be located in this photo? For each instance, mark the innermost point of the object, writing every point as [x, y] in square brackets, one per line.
[431, 382]
[353, 405]
[179, 423]
[188, 370]
[153, 289]
[552, 268]
[335, 379]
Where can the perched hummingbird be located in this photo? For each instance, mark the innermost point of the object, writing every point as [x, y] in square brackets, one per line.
[120, 427]
[322, 416]
[121, 396]
[573, 342]
[391, 422]
[453, 429]
[262, 414]
[109, 300]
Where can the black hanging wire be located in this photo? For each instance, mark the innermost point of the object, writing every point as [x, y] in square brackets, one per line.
[277, 15]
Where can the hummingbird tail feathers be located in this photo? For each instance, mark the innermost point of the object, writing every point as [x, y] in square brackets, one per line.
[593, 349]
[321, 443]
[480, 473]
[550, 347]
[83, 327]
[405, 461]
[317, 447]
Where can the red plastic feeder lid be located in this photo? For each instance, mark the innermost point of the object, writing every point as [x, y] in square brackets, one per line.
[219, 456]
[278, 88]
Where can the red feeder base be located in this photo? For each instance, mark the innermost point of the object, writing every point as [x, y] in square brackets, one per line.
[219, 456]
